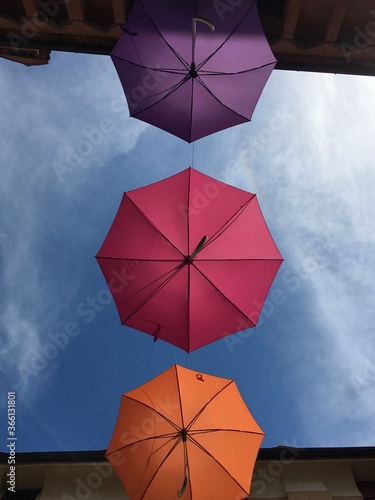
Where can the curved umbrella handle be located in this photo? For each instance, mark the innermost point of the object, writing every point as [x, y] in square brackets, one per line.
[194, 34]
[181, 491]
[183, 487]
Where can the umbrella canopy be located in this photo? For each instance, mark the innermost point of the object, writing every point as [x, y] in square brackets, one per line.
[189, 259]
[193, 67]
[185, 434]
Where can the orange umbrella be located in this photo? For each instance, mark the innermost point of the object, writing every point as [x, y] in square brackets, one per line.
[185, 434]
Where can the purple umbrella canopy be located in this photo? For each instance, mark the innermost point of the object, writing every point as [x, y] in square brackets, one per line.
[193, 67]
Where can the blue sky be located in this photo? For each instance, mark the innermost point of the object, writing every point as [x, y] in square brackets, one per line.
[306, 372]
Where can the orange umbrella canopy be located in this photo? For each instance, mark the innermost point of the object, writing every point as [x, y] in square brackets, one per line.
[185, 434]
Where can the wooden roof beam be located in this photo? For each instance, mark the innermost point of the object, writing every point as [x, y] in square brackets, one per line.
[120, 11]
[75, 9]
[291, 15]
[335, 21]
[31, 7]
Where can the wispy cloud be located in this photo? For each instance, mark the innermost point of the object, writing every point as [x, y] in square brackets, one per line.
[68, 128]
[315, 179]
[50, 119]
[310, 167]
[25, 309]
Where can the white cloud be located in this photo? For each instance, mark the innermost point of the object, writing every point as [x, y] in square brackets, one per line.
[72, 112]
[26, 309]
[315, 179]
[313, 172]
[50, 108]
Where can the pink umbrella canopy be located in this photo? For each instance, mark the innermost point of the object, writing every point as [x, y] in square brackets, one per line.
[189, 259]
[193, 67]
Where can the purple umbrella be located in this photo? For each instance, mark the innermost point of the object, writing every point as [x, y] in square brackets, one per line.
[193, 67]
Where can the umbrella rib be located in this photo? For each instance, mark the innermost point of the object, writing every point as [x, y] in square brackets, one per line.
[261, 259]
[227, 38]
[175, 444]
[160, 466]
[215, 460]
[175, 71]
[207, 403]
[188, 240]
[134, 259]
[160, 436]
[151, 407]
[225, 297]
[162, 37]
[218, 100]
[179, 260]
[175, 271]
[177, 427]
[231, 73]
[207, 431]
[153, 225]
[229, 222]
[170, 91]
[190, 432]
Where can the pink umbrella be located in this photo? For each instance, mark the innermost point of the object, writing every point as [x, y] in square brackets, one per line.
[189, 259]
